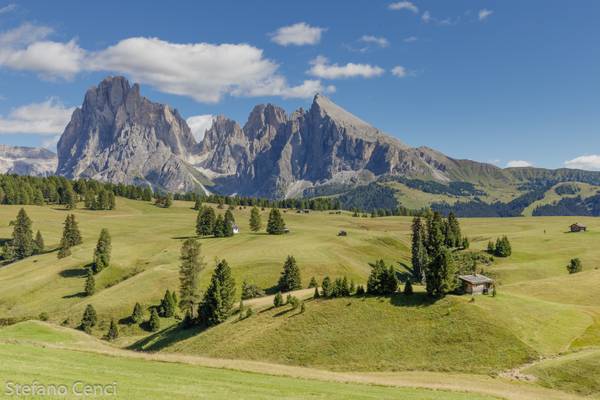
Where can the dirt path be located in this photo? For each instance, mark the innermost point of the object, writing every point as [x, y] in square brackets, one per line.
[500, 387]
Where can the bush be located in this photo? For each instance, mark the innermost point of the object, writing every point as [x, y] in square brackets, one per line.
[43, 316]
[278, 300]
[251, 291]
[574, 266]
[294, 302]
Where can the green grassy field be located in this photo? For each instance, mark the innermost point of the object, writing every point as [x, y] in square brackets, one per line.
[540, 309]
[27, 358]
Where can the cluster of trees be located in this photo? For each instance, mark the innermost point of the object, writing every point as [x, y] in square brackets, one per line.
[22, 243]
[71, 236]
[16, 189]
[163, 200]
[454, 188]
[100, 261]
[501, 248]
[102, 200]
[432, 258]
[574, 266]
[382, 280]
[338, 287]
[320, 204]
[208, 223]
[90, 319]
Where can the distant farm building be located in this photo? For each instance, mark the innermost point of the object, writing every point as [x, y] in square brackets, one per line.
[577, 227]
[476, 283]
[236, 229]
[342, 233]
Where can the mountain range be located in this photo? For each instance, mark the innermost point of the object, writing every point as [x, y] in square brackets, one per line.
[118, 135]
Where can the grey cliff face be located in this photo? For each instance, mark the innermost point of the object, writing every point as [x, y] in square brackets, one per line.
[34, 161]
[119, 136]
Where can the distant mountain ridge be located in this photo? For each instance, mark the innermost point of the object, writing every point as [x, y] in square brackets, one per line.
[119, 136]
[21, 160]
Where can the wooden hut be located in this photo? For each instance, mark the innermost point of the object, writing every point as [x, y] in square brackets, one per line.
[476, 283]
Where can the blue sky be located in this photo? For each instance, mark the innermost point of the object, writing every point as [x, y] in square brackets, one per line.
[494, 81]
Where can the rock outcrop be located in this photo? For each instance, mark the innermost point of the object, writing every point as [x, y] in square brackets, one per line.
[34, 161]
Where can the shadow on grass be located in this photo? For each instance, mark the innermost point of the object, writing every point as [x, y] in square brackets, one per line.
[185, 237]
[73, 273]
[166, 337]
[74, 295]
[413, 300]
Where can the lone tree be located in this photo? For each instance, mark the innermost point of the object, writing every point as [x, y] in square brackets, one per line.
[102, 251]
[197, 203]
[419, 251]
[168, 305]
[290, 276]
[137, 315]
[276, 225]
[22, 237]
[113, 331]
[90, 284]
[154, 322]
[440, 276]
[228, 222]
[503, 247]
[452, 231]
[206, 221]
[219, 298]
[71, 236]
[574, 266]
[189, 272]
[255, 221]
[89, 319]
[38, 243]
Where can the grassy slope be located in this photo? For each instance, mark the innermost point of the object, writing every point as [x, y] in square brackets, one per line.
[25, 361]
[368, 334]
[578, 373]
[539, 303]
[550, 197]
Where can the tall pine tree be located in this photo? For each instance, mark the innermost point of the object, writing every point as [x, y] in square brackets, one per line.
[205, 221]
[189, 275]
[275, 225]
[22, 237]
[255, 220]
[219, 298]
[419, 251]
[39, 243]
[90, 284]
[290, 276]
[102, 251]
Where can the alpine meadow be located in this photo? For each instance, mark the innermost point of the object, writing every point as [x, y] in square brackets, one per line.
[190, 210]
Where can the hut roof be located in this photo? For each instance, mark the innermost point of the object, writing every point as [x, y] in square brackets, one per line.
[475, 279]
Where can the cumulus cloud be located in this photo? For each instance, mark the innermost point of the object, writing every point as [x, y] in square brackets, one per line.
[199, 124]
[399, 71]
[203, 71]
[46, 118]
[404, 5]
[410, 39]
[376, 40]
[299, 34]
[322, 69]
[518, 163]
[484, 13]
[588, 162]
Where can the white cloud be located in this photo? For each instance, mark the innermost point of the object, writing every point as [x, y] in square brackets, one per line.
[404, 5]
[322, 69]
[518, 163]
[203, 71]
[46, 118]
[588, 162]
[298, 35]
[51, 142]
[199, 124]
[410, 39]
[379, 41]
[399, 71]
[484, 13]
[7, 8]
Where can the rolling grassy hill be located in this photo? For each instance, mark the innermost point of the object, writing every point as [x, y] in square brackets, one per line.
[540, 310]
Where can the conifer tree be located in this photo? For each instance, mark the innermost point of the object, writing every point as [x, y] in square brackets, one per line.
[228, 222]
[440, 276]
[198, 203]
[113, 331]
[69, 198]
[38, 243]
[89, 319]
[312, 283]
[219, 228]
[255, 220]
[219, 298]
[192, 264]
[419, 251]
[137, 315]
[326, 288]
[90, 284]
[290, 276]
[154, 322]
[22, 236]
[408, 289]
[112, 204]
[275, 225]
[316, 295]
[435, 235]
[167, 305]
[206, 221]
[102, 251]
[278, 300]
[453, 234]
[574, 266]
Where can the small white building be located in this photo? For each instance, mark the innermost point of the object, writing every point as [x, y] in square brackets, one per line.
[236, 229]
